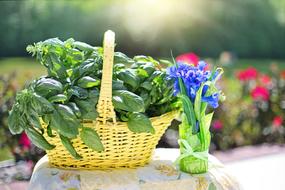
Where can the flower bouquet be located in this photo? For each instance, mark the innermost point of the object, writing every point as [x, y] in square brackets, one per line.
[196, 88]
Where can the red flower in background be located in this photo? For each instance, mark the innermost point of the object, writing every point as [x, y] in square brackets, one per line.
[247, 74]
[217, 125]
[260, 92]
[283, 74]
[25, 141]
[265, 79]
[190, 58]
[277, 121]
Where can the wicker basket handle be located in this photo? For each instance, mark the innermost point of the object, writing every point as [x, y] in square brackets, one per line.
[105, 106]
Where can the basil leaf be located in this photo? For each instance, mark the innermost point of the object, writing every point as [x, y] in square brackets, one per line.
[14, 121]
[48, 87]
[34, 120]
[139, 123]
[49, 131]
[118, 85]
[129, 78]
[83, 46]
[64, 121]
[87, 108]
[149, 68]
[146, 85]
[142, 73]
[94, 95]
[66, 112]
[78, 92]
[38, 140]
[122, 58]
[91, 139]
[69, 147]
[41, 105]
[88, 82]
[128, 101]
[75, 109]
[58, 98]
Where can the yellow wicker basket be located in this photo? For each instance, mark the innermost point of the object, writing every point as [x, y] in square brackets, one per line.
[123, 148]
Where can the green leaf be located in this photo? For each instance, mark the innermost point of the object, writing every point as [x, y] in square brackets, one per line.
[145, 59]
[207, 120]
[184, 128]
[94, 95]
[34, 120]
[64, 121]
[66, 112]
[48, 87]
[38, 140]
[74, 108]
[128, 101]
[139, 123]
[129, 78]
[189, 111]
[69, 147]
[118, 85]
[58, 98]
[78, 92]
[198, 102]
[83, 46]
[49, 131]
[194, 141]
[122, 58]
[41, 105]
[149, 68]
[142, 73]
[46, 118]
[87, 108]
[119, 66]
[91, 139]
[146, 85]
[88, 82]
[91, 115]
[14, 120]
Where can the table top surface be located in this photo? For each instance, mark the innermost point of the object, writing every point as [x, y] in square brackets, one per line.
[159, 174]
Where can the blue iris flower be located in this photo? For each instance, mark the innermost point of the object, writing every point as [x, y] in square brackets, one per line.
[212, 100]
[193, 77]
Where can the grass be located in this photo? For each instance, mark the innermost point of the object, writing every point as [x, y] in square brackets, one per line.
[21, 65]
[26, 69]
[5, 154]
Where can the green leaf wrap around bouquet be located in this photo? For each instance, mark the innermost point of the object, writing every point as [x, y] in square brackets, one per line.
[194, 154]
[195, 87]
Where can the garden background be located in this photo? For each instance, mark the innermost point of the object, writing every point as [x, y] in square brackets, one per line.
[246, 38]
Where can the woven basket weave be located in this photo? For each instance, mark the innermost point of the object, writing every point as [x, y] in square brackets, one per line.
[122, 148]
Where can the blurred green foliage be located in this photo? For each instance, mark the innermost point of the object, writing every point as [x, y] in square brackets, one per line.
[252, 29]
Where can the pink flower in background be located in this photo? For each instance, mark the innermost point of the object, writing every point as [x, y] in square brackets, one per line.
[25, 141]
[260, 92]
[190, 58]
[277, 121]
[217, 125]
[265, 79]
[247, 74]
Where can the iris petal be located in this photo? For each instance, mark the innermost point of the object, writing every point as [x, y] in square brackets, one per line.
[212, 100]
[193, 77]
[202, 65]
